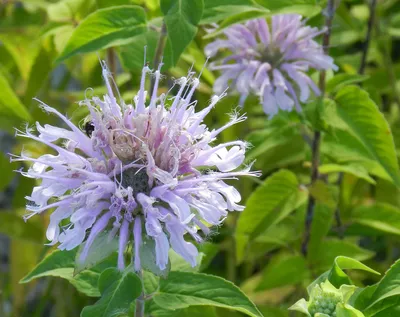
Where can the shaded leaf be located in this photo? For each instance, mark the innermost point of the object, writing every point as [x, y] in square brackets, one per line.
[361, 117]
[118, 290]
[181, 18]
[10, 105]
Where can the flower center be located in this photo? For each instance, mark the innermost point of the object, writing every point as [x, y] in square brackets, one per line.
[270, 54]
[135, 178]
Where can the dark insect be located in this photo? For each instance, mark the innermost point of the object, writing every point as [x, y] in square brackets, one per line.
[89, 128]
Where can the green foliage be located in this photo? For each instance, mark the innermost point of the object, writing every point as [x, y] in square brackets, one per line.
[10, 105]
[104, 28]
[181, 18]
[62, 264]
[184, 289]
[48, 50]
[118, 291]
[270, 203]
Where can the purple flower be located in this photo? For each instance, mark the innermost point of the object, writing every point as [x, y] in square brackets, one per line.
[270, 61]
[148, 168]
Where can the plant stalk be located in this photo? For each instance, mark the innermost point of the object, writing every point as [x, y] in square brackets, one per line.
[140, 301]
[368, 37]
[316, 142]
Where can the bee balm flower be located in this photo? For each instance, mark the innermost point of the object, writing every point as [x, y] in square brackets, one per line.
[270, 61]
[146, 168]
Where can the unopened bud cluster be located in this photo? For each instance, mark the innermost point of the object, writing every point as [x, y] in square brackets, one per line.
[324, 303]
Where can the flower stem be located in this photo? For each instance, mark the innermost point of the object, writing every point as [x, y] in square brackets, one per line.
[162, 40]
[139, 303]
[368, 37]
[316, 142]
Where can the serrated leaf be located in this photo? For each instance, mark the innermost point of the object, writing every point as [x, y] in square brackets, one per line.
[104, 28]
[10, 105]
[181, 18]
[118, 290]
[185, 289]
[262, 208]
[62, 264]
[366, 123]
[341, 80]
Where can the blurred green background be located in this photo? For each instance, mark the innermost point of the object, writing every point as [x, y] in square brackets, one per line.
[33, 33]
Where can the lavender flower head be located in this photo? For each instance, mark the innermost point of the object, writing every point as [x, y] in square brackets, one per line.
[270, 61]
[138, 169]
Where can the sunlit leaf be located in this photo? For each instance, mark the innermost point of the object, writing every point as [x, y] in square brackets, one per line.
[265, 205]
[10, 105]
[185, 289]
[62, 264]
[105, 28]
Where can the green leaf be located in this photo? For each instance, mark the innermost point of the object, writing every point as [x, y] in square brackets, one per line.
[62, 264]
[338, 277]
[203, 311]
[334, 249]
[10, 105]
[101, 248]
[216, 10]
[185, 289]
[354, 169]
[380, 216]
[118, 290]
[324, 193]
[362, 118]
[181, 18]
[323, 216]
[284, 270]
[132, 54]
[105, 28]
[306, 8]
[41, 68]
[69, 10]
[264, 207]
[341, 80]
[388, 287]
[345, 310]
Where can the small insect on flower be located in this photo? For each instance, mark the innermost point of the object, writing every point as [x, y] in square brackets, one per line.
[136, 170]
[270, 61]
